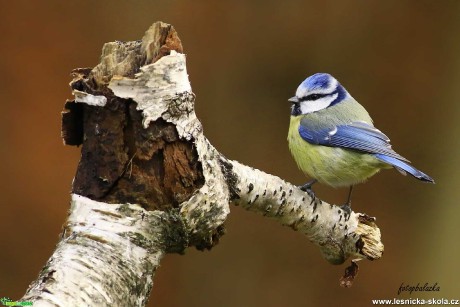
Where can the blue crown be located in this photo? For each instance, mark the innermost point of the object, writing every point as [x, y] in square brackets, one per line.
[319, 81]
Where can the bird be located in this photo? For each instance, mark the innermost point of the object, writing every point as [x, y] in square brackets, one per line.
[333, 140]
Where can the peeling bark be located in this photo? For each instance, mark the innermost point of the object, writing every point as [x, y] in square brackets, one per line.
[338, 234]
[150, 183]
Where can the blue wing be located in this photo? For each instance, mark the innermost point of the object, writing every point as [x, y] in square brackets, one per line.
[358, 136]
[361, 137]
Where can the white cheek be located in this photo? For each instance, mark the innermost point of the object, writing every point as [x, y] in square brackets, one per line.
[316, 105]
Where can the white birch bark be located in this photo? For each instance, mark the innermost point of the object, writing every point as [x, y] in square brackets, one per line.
[108, 253]
[107, 256]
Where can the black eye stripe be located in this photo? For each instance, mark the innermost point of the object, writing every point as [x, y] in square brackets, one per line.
[314, 97]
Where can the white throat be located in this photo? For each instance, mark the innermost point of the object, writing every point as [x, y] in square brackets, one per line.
[318, 104]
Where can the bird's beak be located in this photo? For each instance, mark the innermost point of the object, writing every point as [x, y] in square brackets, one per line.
[293, 99]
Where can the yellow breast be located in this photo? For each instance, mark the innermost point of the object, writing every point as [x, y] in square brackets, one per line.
[330, 165]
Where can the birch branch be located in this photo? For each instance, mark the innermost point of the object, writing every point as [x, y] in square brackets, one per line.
[150, 183]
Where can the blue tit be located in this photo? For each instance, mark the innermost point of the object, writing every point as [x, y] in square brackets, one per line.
[333, 140]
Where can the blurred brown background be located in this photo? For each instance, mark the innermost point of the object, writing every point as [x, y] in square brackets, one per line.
[400, 59]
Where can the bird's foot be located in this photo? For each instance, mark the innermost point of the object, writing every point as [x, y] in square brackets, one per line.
[309, 191]
[307, 188]
[346, 208]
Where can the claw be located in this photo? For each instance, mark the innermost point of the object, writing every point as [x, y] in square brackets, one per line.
[307, 188]
[346, 208]
[310, 193]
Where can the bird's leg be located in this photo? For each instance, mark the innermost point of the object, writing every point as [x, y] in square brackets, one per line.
[307, 188]
[347, 206]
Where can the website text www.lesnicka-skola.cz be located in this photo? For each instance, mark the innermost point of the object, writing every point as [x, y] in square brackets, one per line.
[416, 301]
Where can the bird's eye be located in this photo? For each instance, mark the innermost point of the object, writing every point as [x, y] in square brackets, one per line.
[313, 96]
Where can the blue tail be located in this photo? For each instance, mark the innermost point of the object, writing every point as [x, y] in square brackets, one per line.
[404, 167]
